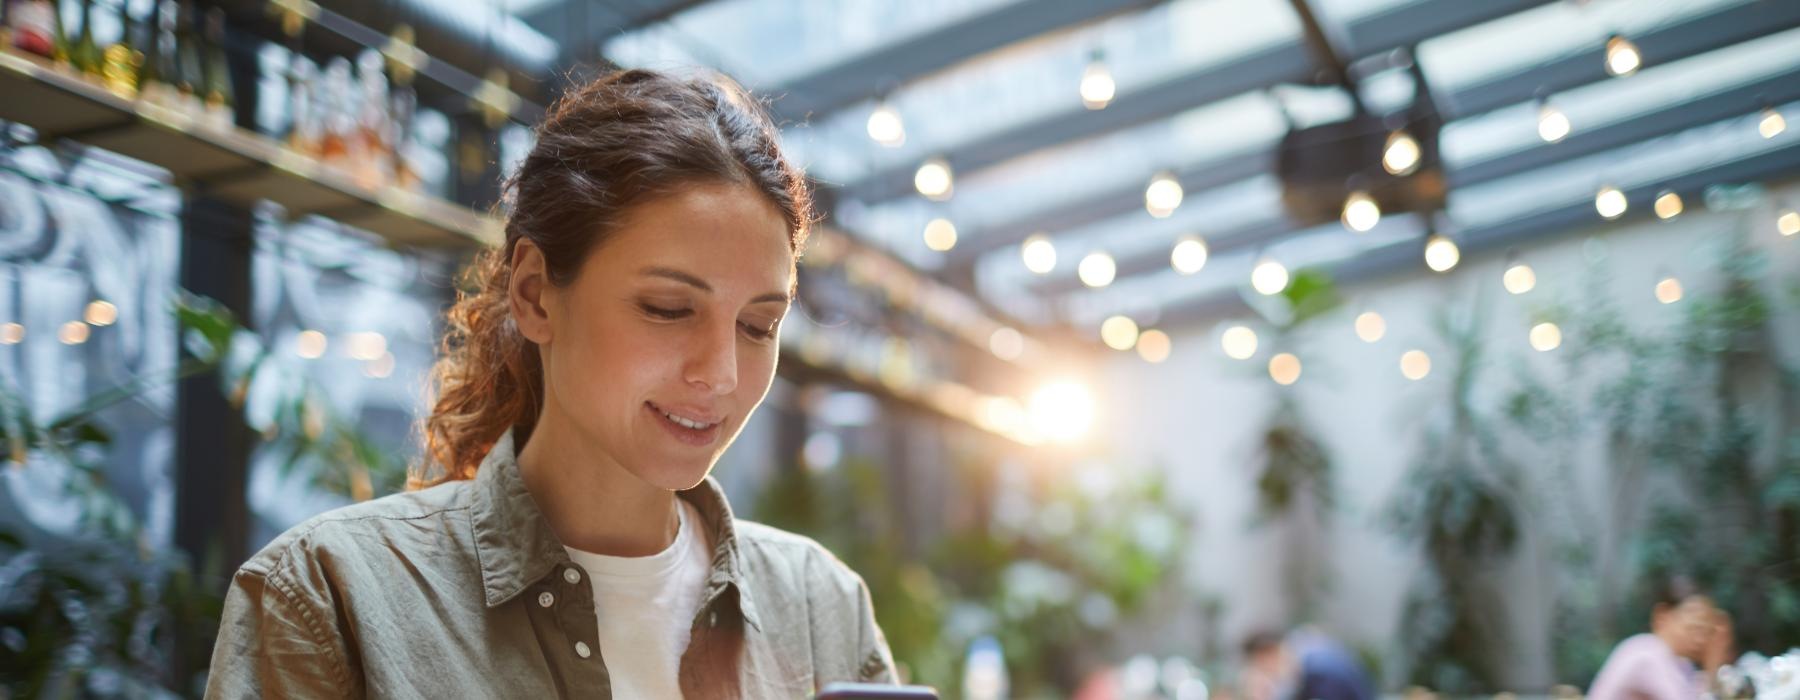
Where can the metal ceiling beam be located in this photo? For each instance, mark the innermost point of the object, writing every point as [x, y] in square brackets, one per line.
[833, 87]
[1105, 205]
[1403, 256]
[1285, 62]
[1695, 36]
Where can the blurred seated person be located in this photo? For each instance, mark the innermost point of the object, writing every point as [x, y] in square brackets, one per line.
[1302, 665]
[1685, 630]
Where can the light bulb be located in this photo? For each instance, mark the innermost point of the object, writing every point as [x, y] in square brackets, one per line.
[1239, 342]
[1415, 364]
[1269, 277]
[1006, 343]
[12, 334]
[1163, 195]
[1772, 123]
[1189, 255]
[1668, 290]
[934, 179]
[101, 313]
[73, 333]
[1361, 213]
[1039, 254]
[1788, 222]
[1119, 332]
[1401, 155]
[1441, 253]
[1153, 345]
[1622, 57]
[1553, 124]
[1610, 202]
[1370, 326]
[1668, 205]
[310, 344]
[1097, 87]
[1096, 270]
[1545, 337]
[1284, 369]
[1519, 278]
[940, 235]
[885, 126]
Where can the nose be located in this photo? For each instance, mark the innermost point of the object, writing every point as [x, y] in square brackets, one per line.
[712, 364]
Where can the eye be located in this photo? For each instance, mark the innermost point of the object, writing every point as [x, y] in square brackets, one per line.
[664, 313]
[759, 333]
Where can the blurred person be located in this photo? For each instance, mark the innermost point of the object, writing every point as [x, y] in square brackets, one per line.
[1302, 665]
[564, 538]
[1685, 629]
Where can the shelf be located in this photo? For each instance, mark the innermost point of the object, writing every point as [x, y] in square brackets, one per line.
[227, 161]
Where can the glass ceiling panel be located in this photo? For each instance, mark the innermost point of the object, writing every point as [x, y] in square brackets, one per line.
[1036, 79]
[765, 43]
[1549, 32]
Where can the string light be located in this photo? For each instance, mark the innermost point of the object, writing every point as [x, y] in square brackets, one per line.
[1039, 254]
[1269, 277]
[1668, 205]
[1401, 154]
[1006, 343]
[1553, 124]
[1772, 123]
[1622, 57]
[73, 333]
[1361, 213]
[1415, 365]
[940, 234]
[310, 344]
[1096, 270]
[1239, 342]
[934, 179]
[1610, 202]
[1154, 346]
[1519, 278]
[1284, 369]
[1189, 255]
[1097, 86]
[1668, 290]
[366, 346]
[1370, 326]
[1788, 222]
[1441, 253]
[1545, 337]
[1163, 195]
[380, 367]
[101, 313]
[885, 126]
[11, 334]
[1062, 410]
[1119, 332]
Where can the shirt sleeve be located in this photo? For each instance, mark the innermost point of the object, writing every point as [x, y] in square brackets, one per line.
[274, 642]
[877, 665]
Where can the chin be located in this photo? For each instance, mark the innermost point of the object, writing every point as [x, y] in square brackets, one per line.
[676, 475]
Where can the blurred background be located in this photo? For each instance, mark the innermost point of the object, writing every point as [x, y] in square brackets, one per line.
[1443, 329]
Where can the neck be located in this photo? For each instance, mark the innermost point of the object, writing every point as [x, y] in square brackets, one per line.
[592, 503]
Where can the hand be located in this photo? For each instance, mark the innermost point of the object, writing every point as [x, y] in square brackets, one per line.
[1721, 647]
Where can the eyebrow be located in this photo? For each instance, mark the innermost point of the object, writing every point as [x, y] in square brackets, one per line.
[700, 284]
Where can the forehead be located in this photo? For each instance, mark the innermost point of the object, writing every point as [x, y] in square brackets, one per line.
[728, 234]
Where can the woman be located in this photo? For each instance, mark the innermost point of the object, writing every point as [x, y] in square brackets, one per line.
[566, 539]
[1685, 629]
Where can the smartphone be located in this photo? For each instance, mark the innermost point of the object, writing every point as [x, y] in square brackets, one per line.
[870, 691]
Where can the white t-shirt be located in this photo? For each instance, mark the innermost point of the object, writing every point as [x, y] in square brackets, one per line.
[646, 607]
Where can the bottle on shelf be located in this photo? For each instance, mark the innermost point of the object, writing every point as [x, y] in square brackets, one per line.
[403, 107]
[217, 78]
[333, 105]
[304, 133]
[374, 144]
[189, 79]
[123, 62]
[33, 25]
[156, 85]
[84, 54]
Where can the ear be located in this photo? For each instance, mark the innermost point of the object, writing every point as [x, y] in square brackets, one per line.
[530, 296]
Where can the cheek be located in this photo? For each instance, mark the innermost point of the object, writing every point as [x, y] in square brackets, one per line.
[756, 371]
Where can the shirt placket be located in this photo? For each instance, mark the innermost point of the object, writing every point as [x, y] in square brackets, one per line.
[562, 613]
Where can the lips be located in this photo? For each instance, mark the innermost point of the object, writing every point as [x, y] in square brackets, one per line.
[687, 425]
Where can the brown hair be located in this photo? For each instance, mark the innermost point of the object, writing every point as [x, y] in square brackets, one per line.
[625, 138]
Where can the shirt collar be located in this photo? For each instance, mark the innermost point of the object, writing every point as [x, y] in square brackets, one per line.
[516, 548]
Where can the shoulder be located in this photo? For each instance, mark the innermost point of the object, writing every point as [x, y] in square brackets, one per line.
[384, 524]
[797, 561]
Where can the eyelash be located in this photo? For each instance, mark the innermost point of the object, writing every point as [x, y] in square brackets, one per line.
[676, 314]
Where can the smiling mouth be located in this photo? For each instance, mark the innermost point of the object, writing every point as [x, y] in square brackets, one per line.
[686, 429]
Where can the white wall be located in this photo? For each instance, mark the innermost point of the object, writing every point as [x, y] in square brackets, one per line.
[1200, 415]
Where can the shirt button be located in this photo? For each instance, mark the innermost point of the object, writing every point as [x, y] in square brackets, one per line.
[581, 650]
[712, 619]
[546, 599]
[571, 575]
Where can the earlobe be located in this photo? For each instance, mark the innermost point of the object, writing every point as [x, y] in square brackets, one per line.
[526, 292]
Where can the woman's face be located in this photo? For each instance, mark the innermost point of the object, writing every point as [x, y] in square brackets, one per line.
[1687, 627]
[665, 343]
